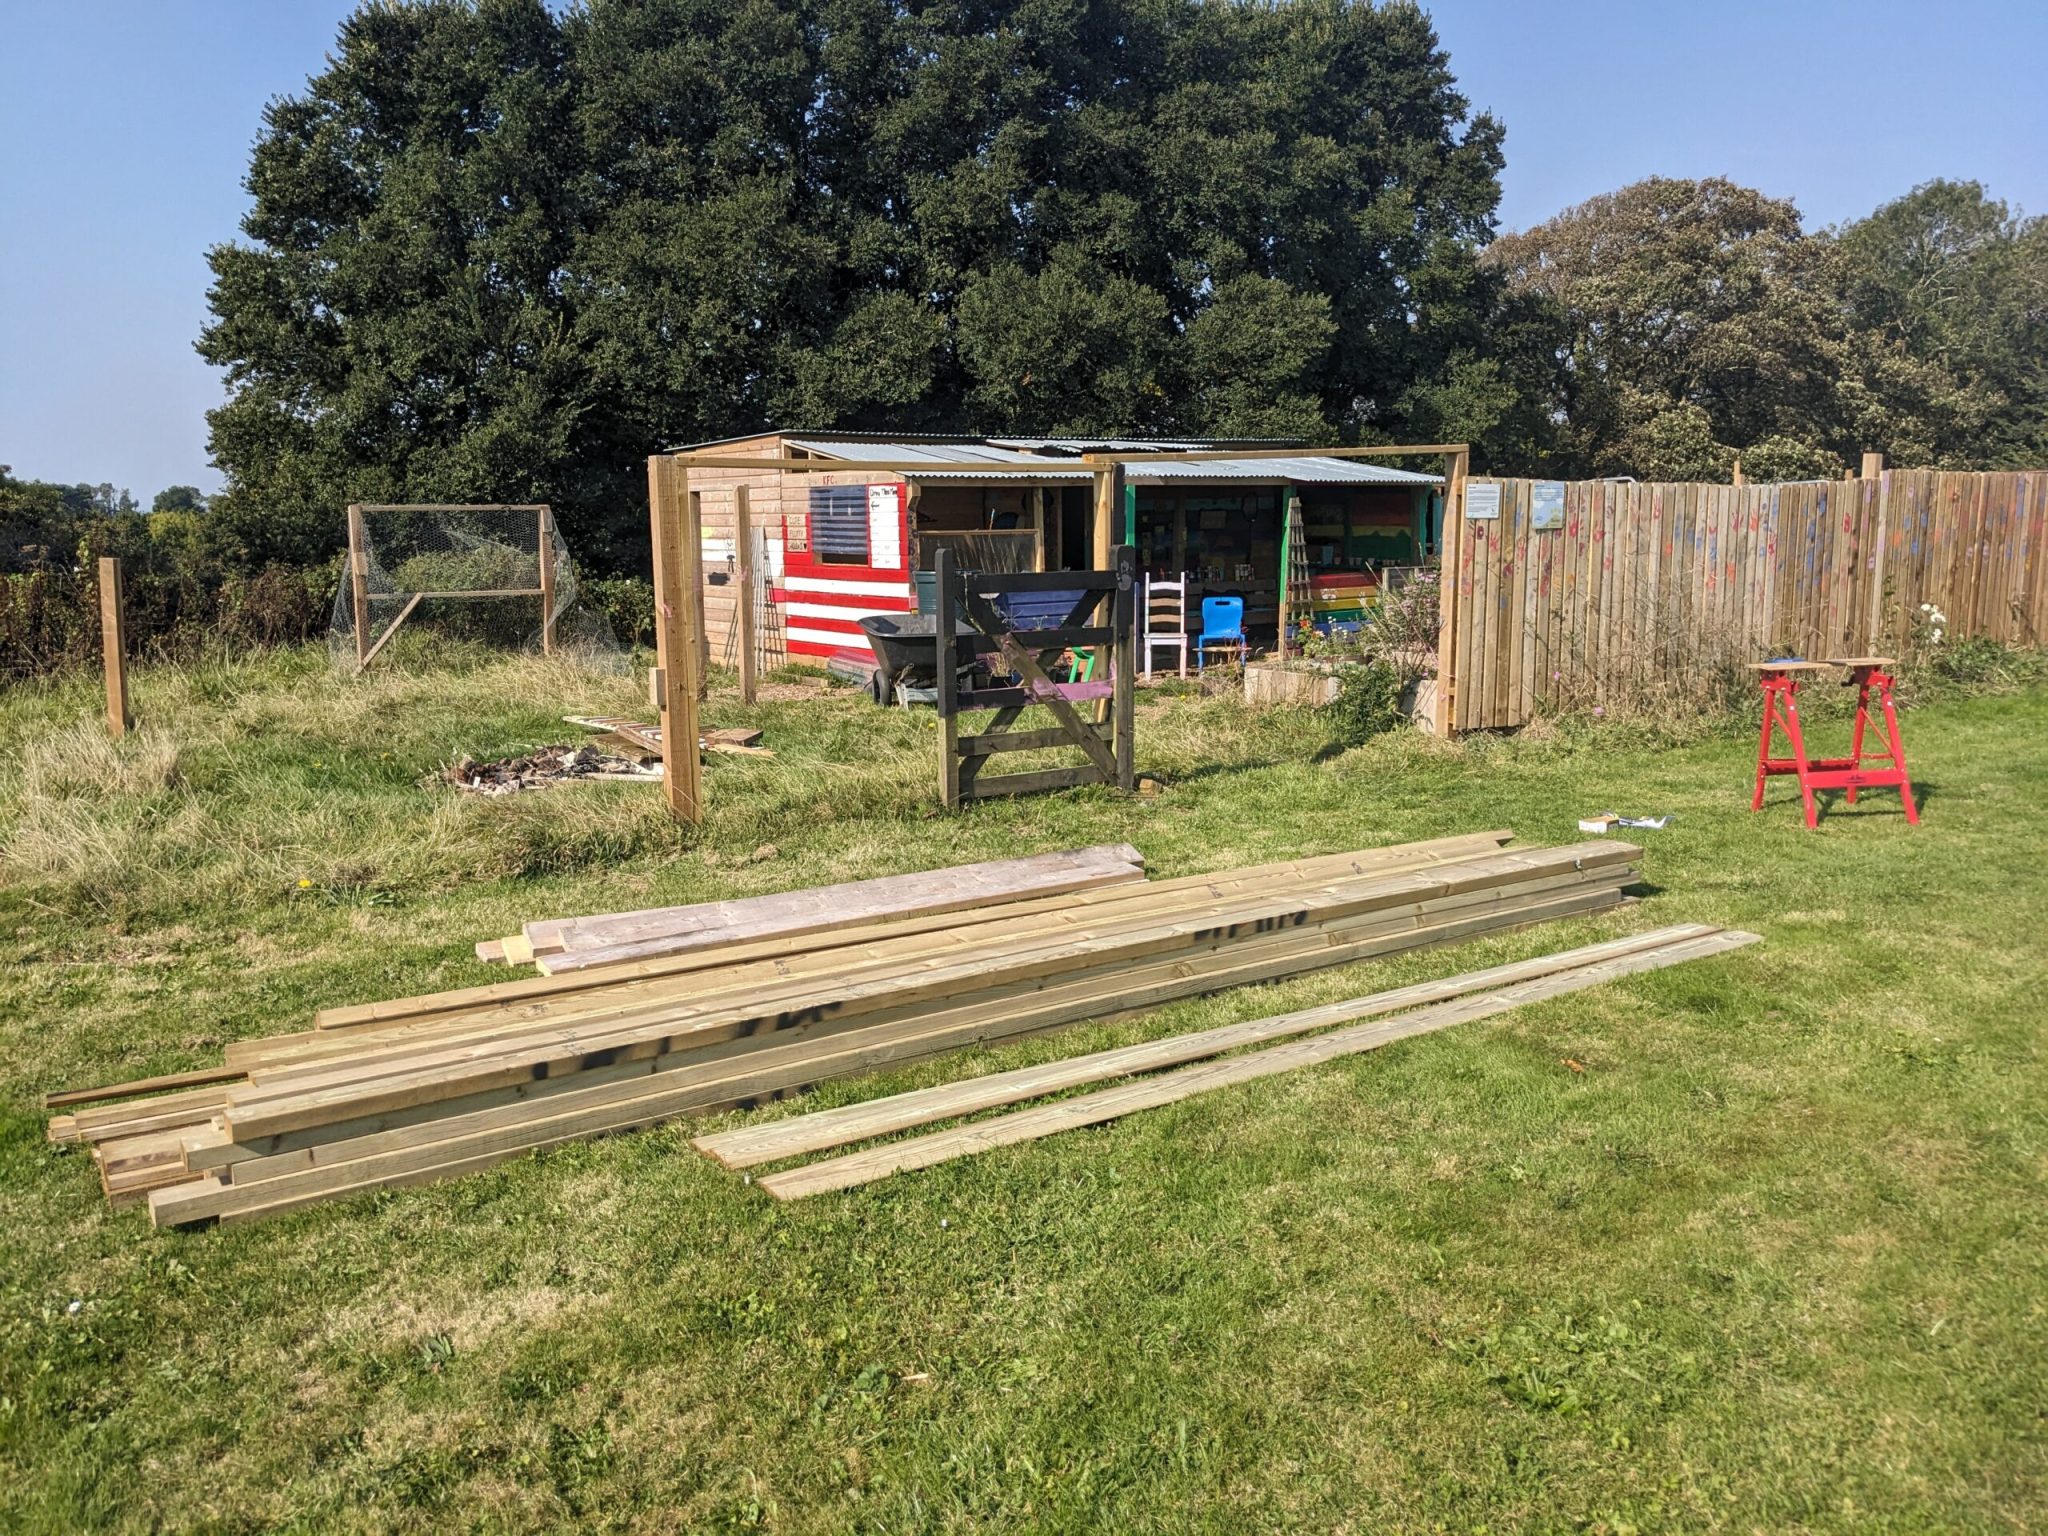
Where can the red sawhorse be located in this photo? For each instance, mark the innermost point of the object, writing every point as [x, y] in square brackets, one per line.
[1781, 712]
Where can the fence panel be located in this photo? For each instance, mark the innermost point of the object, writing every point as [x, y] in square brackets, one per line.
[1643, 589]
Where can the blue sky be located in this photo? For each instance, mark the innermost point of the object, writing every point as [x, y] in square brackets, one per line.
[125, 128]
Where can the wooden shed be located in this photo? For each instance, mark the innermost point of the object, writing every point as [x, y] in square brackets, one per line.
[832, 546]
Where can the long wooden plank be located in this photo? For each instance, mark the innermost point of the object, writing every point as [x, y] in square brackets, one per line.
[393, 1078]
[1171, 1087]
[841, 905]
[141, 1086]
[496, 994]
[585, 944]
[824, 1129]
[902, 942]
[387, 1160]
[763, 993]
[823, 1048]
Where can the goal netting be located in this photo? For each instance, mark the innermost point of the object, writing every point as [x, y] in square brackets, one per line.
[494, 577]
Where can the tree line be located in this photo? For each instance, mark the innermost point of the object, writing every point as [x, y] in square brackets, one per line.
[497, 253]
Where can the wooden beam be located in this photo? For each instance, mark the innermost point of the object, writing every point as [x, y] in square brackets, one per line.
[1399, 857]
[1873, 466]
[114, 644]
[1123, 661]
[547, 582]
[1171, 1087]
[359, 581]
[743, 546]
[363, 661]
[946, 610]
[1451, 543]
[692, 553]
[675, 625]
[822, 1130]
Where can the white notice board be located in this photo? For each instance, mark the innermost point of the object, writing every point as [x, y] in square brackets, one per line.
[885, 527]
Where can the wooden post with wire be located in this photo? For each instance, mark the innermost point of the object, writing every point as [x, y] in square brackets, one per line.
[743, 547]
[678, 600]
[359, 582]
[114, 645]
[547, 582]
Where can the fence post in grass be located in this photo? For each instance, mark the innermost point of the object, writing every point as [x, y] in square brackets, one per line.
[945, 605]
[359, 582]
[547, 582]
[743, 547]
[114, 645]
[1124, 667]
[677, 600]
[1451, 544]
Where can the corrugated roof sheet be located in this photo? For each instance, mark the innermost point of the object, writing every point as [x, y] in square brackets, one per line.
[955, 461]
[1303, 471]
[858, 450]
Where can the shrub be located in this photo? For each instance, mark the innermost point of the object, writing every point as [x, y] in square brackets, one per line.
[627, 602]
[1368, 701]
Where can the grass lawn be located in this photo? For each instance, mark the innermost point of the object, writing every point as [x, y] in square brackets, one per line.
[1775, 1259]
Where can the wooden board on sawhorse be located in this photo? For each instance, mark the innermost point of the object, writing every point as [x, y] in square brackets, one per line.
[1781, 680]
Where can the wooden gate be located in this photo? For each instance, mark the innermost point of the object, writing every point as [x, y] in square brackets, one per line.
[1001, 615]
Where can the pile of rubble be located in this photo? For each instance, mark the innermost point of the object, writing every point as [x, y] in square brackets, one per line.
[542, 767]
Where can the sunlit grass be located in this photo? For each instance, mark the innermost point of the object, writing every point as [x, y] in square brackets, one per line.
[1773, 1260]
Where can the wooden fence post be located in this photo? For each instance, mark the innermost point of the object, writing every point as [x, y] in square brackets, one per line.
[678, 601]
[114, 645]
[547, 582]
[743, 548]
[1873, 465]
[1123, 619]
[359, 582]
[946, 608]
[1450, 547]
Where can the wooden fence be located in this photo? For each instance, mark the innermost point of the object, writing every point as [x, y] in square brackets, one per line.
[1630, 591]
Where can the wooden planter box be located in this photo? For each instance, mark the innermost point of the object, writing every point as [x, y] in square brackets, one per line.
[1311, 685]
[1267, 682]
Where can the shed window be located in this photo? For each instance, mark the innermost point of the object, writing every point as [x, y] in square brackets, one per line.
[839, 524]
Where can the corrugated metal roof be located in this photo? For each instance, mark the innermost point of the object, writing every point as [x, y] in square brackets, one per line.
[1119, 444]
[950, 461]
[958, 461]
[866, 451]
[1303, 471]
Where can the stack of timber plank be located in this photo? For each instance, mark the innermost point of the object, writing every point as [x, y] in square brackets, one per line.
[558, 945]
[1221, 1054]
[420, 1089]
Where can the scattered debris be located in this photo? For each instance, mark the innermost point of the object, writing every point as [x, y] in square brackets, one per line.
[542, 767]
[738, 740]
[1607, 821]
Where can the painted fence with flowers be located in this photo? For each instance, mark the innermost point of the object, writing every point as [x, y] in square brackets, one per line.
[1585, 594]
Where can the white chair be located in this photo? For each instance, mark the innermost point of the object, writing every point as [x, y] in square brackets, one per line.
[1166, 621]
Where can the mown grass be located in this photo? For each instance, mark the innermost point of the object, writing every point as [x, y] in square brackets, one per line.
[1775, 1259]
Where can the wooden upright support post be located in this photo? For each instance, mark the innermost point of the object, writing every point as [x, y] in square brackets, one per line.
[946, 610]
[1038, 527]
[1109, 506]
[114, 645]
[1450, 547]
[678, 599]
[743, 547]
[1873, 465]
[1124, 666]
[359, 582]
[692, 553]
[547, 582]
